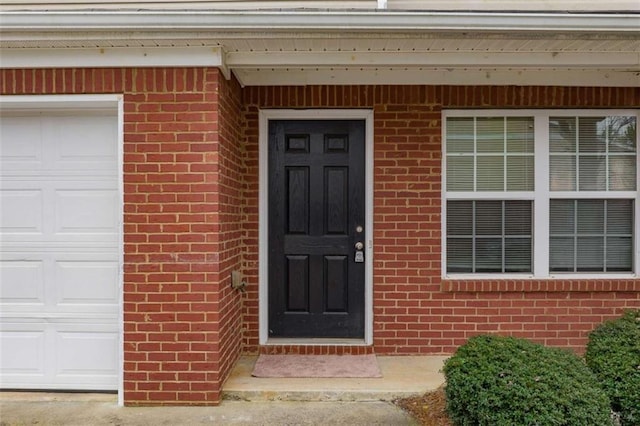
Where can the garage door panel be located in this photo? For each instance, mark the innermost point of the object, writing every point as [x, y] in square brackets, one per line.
[30, 283]
[22, 147]
[21, 211]
[85, 145]
[22, 353]
[59, 354]
[84, 353]
[86, 283]
[57, 211]
[52, 283]
[82, 211]
[58, 141]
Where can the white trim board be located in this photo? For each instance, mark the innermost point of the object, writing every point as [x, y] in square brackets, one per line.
[257, 21]
[114, 57]
[263, 235]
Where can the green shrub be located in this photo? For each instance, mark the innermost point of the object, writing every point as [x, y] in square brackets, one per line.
[613, 354]
[494, 380]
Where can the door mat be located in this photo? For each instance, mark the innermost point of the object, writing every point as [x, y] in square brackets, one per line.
[360, 366]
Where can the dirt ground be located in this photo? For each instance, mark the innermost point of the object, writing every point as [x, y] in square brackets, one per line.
[428, 409]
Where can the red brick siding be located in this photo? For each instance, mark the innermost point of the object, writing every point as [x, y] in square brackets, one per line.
[415, 312]
[230, 220]
[191, 217]
[316, 350]
[250, 241]
[181, 331]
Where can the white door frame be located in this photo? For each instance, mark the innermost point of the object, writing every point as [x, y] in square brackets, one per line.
[111, 101]
[263, 236]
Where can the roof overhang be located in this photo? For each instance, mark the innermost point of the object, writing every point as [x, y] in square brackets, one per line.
[337, 47]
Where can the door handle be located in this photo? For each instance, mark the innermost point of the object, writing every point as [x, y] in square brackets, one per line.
[359, 245]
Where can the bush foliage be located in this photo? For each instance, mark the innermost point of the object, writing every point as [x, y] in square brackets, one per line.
[613, 354]
[493, 380]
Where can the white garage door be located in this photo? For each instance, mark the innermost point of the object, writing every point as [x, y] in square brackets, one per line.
[59, 258]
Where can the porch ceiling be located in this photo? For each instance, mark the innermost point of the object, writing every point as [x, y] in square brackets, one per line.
[345, 48]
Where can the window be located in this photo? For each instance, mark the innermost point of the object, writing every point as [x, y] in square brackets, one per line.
[591, 235]
[489, 236]
[541, 193]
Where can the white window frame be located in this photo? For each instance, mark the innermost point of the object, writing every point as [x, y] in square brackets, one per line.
[541, 194]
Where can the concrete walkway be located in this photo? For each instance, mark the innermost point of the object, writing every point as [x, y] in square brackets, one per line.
[401, 376]
[68, 411]
[248, 401]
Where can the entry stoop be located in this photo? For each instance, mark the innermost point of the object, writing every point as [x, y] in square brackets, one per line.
[402, 376]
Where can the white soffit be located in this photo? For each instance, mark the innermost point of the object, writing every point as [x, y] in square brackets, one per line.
[612, 60]
[329, 47]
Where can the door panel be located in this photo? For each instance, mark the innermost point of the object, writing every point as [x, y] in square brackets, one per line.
[316, 216]
[336, 283]
[298, 283]
[336, 184]
[298, 200]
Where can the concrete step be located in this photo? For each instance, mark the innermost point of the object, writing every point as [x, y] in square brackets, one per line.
[402, 376]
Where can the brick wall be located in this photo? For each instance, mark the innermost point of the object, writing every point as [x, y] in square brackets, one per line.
[230, 161]
[191, 217]
[415, 312]
[181, 223]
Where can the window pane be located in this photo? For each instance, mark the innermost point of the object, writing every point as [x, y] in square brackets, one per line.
[459, 255]
[488, 255]
[622, 134]
[460, 135]
[590, 254]
[460, 218]
[489, 218]
[520, 134]
[563, 173]
[477, 238]
[490, 174]
[518, 218]
[490, 134]
[619, 254]
[590, 217]
[619, 217]
[606, 148]
[622, 173]
[593, 173]
[603, 232]
[517, 255]
[520, 173]
[592, 134]
[562, 134]
[459, 173]
[562, 217]
[561, 254]
[477, 154]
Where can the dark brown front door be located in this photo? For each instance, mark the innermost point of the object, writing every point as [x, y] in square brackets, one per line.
[316, 222]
